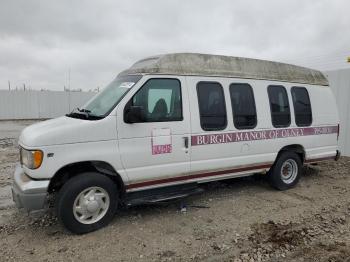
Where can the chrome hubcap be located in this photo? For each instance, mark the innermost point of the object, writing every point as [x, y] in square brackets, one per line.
[289, 171]
[91, 205]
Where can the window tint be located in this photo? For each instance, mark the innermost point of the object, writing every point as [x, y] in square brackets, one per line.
[212, 108]
[302, 106]
[279, 105]
[243, 106]
[160, 100]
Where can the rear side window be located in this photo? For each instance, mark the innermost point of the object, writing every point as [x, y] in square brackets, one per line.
[243, 106]
[279, 106]
[302, 106]
[212, 108]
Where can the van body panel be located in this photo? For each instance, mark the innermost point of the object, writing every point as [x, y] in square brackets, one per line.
[63, 155]
[67, 130]
[72, 141]
[319, 141]
[205, 177]
[227, 155]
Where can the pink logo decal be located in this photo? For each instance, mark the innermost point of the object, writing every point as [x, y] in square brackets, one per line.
[260, 135]
[161, 141]
[161, 149]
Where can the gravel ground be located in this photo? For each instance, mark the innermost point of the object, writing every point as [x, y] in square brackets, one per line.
[235, 220]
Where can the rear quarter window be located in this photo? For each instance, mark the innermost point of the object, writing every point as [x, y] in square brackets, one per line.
[302, 106]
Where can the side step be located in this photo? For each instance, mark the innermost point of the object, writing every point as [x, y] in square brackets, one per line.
[163, 194]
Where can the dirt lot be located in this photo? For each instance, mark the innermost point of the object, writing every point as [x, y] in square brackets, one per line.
[235, 220]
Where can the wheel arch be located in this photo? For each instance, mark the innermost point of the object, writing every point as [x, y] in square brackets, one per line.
[68, 171]
[296, 148]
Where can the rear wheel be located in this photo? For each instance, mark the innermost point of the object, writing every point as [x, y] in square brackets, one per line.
[86, 202]
[286, 171]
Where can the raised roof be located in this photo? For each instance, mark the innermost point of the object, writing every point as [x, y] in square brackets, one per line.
[225, 66]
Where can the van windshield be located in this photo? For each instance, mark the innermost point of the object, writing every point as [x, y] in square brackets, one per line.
[101, 104]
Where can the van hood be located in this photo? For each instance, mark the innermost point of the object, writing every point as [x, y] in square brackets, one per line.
[67, 130]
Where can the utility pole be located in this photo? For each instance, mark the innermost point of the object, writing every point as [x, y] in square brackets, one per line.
[9, 85]
[69, 89]
[69, 78]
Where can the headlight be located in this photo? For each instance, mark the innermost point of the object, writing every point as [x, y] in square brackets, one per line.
[31, 158]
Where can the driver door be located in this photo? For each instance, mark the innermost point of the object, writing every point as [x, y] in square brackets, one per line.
[154, 151]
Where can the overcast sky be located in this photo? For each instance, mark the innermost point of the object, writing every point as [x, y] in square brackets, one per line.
[41, 40]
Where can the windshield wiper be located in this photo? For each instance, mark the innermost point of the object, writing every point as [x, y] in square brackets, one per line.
[83, 110]
[83, 113]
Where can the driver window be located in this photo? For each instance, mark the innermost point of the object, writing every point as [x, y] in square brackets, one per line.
[160, 100]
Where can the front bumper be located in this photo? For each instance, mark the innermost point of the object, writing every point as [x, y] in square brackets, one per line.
[27, 193]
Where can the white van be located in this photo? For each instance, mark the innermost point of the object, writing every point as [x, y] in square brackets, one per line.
[169, 123]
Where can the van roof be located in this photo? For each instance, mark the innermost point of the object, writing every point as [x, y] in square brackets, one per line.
[225, 66]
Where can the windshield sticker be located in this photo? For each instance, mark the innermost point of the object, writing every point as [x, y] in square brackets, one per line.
[161, 141]
[127, 84]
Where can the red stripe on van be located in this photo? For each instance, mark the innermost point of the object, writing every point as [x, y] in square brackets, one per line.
[222, 138]
[194, 176]
[216, 173]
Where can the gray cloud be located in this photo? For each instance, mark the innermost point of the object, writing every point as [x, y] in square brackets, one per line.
[41, 40]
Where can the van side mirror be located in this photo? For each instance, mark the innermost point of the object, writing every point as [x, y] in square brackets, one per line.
[134, 115]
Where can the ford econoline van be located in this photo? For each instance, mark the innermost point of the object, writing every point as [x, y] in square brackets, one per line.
[170, 123]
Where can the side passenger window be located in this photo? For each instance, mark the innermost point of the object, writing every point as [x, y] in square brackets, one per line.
[212, 108]
[243, 106]
[279, 105]
[160, 100]
[302, 106]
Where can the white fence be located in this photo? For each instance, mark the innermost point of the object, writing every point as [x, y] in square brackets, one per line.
[339, 81]
[39, 104]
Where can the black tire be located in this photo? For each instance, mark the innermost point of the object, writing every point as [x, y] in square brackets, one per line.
[69, 192]
[275, 174]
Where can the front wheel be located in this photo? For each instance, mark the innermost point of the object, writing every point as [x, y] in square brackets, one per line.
[286, 171]
[86, 202]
